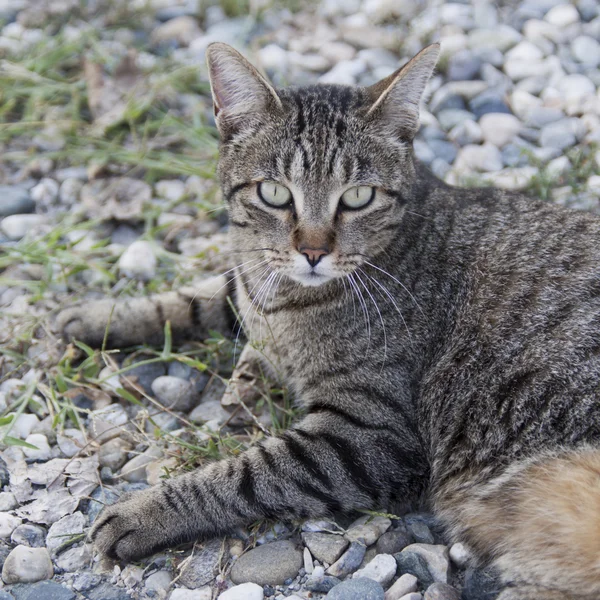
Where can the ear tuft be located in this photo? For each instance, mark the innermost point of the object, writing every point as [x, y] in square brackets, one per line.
[239, 91]
[395, 99]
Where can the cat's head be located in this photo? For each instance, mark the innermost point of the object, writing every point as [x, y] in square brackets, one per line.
[315, 177]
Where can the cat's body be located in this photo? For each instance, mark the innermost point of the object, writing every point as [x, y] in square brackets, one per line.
[457, 362]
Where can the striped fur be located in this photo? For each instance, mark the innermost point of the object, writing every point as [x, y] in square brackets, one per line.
[453, 356]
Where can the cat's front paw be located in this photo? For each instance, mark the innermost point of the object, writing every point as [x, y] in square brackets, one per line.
[84, 322]
[138, 525]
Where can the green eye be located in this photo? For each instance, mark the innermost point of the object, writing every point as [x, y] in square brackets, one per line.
[274, 194]
[358, 197]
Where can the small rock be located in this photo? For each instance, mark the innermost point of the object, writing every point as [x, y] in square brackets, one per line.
[325, 547]
[367, 529]
[499, 129]
[113, 454]
[8, 523]
[467, 132]
[463, 66]
[171, 189]
[381, 569]
[203, 566]
[30, 535]
[183, 30]
[246, 591]
[321, 585]
[24, 425]
[204, 593]
[502, 37]
[441, 591]
[175, 393]
[436, 558]
[412, 596]
[69, 191]
[100, 498]
[60, 532]
[516, 178]
[450, 117]
[308, 561]
[413, 564]
[45, 192]
[42, 451]
[134, 470]
[15, 200]
[210, 410]
[73, 560]
[478, 158]
[7, 501]
[270, 564]
[106, 591]
[558, 167]
[145, 374]
[44, 590]
[480, 585]
[82, 582]
[559, 135]
[27, 565]
[562, 15]
[138, 261]
[157, 585]
[460, 555]
[356, 589]
[420, 532]
[349, 561]
[71, 442]
[394, 541]
[404, 585]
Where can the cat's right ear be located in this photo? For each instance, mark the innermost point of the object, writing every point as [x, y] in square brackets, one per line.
[395, 99]
[240, 93]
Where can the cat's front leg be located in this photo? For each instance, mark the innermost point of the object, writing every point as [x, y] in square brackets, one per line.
[192, 313]
[334, 460]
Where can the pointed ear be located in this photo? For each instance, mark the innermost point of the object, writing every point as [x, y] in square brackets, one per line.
[240, 93]
[395, 99]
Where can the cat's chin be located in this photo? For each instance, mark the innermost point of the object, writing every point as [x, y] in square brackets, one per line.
[311, 279]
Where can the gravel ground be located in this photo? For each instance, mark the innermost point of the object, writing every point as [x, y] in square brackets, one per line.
[107, 188]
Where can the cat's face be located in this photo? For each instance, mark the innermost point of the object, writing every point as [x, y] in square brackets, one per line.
[314, 177]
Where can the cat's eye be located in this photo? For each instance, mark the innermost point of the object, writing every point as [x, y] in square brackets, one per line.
[358, 197]
[274, 194]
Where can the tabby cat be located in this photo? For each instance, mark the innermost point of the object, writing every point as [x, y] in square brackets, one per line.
[444, 342]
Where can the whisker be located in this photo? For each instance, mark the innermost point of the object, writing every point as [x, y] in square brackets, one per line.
[363, 305]
[237, 274]
[380, 318]
[399, 283]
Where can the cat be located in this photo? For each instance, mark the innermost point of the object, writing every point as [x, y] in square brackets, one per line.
[444, 342]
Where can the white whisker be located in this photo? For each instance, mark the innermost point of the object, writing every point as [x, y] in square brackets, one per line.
[363, 305]
[380, 318]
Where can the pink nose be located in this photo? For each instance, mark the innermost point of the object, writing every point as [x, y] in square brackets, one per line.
[313, 255]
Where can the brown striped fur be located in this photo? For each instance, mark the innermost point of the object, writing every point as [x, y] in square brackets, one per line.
[449, 352]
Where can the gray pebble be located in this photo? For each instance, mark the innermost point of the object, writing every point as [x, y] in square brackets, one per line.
[463, 65]
[270, 564]
[356, 589]
[445, 150]
[82, 582]
[30, 535]
[99, 498]
[146, 374]
[106, 591]
[15, 200]
[325, 547]
[441, 591]
[321, 585]
[450, 117]
[349, 561]
[174, 393]
[46, 590]
[394, 541]
[203, 566]
[414, 564]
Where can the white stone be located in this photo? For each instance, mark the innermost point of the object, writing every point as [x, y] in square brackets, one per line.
[515, 178]
[523, 103]
[135, 470]
[273, 58]
[23, 426]
[73, 560]
[345, 72]
[183, 29]
[7, 501]
[27, 565]
[8, 523]
[40, 441]
[412, 596]
[436, 558]
[71, 442]
[576, 86]
[524, 51]
[45, 192]
[308, 562]
[170, 189]
[381, 569]
[337, 51]
[586, 50]
[562, 15]
[138, 261]
[309, 61]
[60, 532]
[16, 226]
[175, 393]
[502, 37]
[367, 529]
[405, 585]
[499, 128]
[593, 183]
[466, 132]
[478, 158]
[69, 190]
[558, 167]
[245, 591]
[460, 555]
[157, 585]
[203, 593]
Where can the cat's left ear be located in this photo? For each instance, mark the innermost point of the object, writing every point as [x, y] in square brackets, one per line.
[240, 93]
[395, 99]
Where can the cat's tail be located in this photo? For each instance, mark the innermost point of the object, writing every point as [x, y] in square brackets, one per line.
[538, 522]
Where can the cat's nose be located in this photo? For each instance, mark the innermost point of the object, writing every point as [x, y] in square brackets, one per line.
[313, 255]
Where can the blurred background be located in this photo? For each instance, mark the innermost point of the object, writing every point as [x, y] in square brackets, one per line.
[107, 188]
